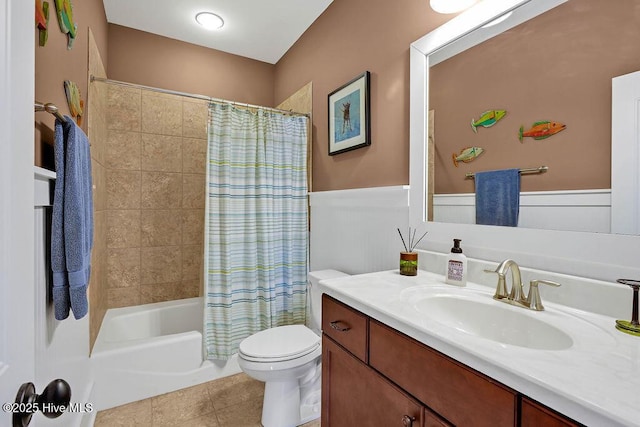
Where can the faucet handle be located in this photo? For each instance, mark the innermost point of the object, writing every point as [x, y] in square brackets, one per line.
[533, 299]
[501, 289]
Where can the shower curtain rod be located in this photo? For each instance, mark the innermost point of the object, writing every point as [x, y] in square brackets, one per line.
[191, 95]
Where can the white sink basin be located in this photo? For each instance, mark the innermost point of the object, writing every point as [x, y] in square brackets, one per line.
[493, 320]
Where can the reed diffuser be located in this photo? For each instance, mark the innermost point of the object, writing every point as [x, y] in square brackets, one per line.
[409, 258]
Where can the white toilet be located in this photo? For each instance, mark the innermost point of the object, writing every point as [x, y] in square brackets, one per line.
[288, 360]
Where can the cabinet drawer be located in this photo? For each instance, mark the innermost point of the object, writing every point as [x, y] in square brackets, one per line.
[346, 326]
[534, 415]
[458, 393]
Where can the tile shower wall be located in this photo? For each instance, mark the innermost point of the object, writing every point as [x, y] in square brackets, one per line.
[97, 133]
[155, 177]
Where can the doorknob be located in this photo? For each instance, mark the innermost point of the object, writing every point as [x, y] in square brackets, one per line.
[53, 401]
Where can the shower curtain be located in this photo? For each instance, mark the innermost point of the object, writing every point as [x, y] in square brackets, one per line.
[256, 226]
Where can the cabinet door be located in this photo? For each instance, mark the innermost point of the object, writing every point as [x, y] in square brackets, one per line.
[457, 393]
[536, 415]
[355, 395]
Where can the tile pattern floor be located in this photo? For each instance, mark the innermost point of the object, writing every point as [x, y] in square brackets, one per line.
[231, 401]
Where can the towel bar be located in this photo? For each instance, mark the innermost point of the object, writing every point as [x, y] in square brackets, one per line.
[540, 169]
[49, 108]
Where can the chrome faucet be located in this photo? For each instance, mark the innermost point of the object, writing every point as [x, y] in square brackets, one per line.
[516, 296]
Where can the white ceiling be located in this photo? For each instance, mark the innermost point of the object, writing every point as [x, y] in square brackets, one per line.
[259, 29]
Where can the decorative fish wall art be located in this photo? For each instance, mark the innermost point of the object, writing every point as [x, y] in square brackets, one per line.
[74, 100]
[488, 119]
[68, 26]
[467, 155]
[42, 21]
[541, 130]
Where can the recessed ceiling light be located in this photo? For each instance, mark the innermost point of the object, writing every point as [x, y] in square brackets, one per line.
[450, 6]
[209, 20]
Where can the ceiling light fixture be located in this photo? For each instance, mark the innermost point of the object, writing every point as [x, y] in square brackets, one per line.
[209, 20]
[450, 6]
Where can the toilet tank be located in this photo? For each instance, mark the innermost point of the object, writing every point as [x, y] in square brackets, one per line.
[314, 296]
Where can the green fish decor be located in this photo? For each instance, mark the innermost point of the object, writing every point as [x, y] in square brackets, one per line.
[488, 119]
[467, 155]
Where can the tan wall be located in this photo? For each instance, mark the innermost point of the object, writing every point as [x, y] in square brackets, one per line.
[155, 161]
[151, 60]
[55, 64]
[558, 67]
[352, 36]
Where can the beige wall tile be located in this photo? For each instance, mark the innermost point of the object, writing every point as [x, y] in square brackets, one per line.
[161, 153]
[192, 261]
[161, 115]
[132, 414]
[194, 121]
[173, 409]
[123, 268]
[190, 288]
[123, 228]
[193, 191]
[123, 150]
[124, 297]
[161, 227]
[192, 226]
[194, 155]
[98, 178]
[159, 292]
[123, 189]
[124, 106]
[161, 190]
[161, 264]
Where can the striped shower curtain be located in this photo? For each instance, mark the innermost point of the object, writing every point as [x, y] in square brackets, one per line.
[256, 225]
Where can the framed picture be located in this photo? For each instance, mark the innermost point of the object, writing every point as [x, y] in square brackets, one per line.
[349, 116]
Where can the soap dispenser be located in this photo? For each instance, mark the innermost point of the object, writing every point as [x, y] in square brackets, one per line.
[456, 266]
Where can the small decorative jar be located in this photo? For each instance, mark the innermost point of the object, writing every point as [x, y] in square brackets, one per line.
[408, 263]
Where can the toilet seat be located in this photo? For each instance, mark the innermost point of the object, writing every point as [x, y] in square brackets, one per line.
[279, 344]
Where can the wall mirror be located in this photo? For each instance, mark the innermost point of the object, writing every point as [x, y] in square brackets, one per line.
[583, 252]
[539, 60]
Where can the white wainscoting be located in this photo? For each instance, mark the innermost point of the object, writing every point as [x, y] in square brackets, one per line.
[355, 231]
[571, 210]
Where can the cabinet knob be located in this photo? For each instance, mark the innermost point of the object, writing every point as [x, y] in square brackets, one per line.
[339, 326]
[407, 421]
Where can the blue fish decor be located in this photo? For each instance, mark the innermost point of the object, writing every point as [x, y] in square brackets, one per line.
[488, 119]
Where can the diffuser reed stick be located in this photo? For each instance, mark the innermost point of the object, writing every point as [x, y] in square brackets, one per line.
[403, 243]
[412, 239]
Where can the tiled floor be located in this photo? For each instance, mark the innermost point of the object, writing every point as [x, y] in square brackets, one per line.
[232, 401]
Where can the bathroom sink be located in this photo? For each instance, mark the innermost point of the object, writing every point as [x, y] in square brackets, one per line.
[484, 317]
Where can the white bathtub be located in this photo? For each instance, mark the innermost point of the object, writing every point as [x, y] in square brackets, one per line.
[151, 349]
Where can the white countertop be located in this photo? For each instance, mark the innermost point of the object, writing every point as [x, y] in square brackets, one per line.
[595, 382]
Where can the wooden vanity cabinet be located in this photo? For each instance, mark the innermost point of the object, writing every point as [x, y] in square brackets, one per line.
[535, 415]
[462, 396]
[355, 395]
[373, 375]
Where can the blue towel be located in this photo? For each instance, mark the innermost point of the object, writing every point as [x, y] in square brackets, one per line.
[498, 197]
[72, 221]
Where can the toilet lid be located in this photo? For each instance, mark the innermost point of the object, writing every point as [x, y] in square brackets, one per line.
[281, 343]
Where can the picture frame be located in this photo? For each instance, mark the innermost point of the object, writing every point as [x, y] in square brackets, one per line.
[349, 116]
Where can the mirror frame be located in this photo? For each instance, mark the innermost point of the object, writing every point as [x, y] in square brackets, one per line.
[594, 255]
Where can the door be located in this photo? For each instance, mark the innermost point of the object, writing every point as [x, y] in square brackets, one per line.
[16, 200]
[625, 154]
[353, 394]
